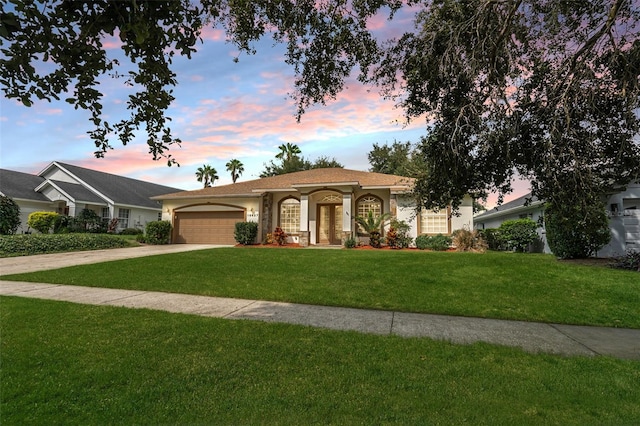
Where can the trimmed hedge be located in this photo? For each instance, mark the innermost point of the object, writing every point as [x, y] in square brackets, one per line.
[433, 242]
[25, 245]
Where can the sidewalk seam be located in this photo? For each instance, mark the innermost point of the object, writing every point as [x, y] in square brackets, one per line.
[239, 309]
[574, 339]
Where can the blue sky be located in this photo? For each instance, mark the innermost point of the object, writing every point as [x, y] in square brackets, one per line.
[223, 110]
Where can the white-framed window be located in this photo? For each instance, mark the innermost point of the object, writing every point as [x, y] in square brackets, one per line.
[369, 203]
[105, 213]
[159, 216]
[366, 204]
[290, 215]
[434, 222]
[123, 218]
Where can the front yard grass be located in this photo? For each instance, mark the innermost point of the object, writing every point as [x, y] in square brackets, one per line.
[491, 285]
[66, 363]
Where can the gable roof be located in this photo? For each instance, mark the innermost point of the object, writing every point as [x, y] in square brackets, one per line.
[525, 202]
[297, 180]
[18, 185]
[118, 189]
[76, 192]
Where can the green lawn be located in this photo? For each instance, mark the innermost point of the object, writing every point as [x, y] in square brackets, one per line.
[66, 363]
[492, 285]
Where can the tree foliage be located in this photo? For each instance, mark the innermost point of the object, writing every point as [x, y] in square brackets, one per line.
[399, 158]
[236, 168]
[207, 175]
[289, 161]
[547, 89]
[9, 216]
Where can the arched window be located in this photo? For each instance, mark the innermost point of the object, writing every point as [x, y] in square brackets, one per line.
[290, 215]
[366, 204]
[369, 203]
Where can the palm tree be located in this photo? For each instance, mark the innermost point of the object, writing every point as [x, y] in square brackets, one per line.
[288, 151]
[207, 175]
[236, 168]
[372, 226]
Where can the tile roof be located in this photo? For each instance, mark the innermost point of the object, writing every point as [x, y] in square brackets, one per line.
[18, 185]
[290, 181]
[121, 190]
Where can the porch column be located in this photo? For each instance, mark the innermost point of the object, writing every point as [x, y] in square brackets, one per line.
[346, 212]
[304, 213]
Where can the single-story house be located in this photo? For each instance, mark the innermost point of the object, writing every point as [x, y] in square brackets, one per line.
[623, 210]
[68, 189]
[316, 207]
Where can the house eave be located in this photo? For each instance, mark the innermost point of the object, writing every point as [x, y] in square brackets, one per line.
[514, 210]
[193, 197]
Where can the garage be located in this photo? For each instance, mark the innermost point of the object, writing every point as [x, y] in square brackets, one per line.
[215, 227]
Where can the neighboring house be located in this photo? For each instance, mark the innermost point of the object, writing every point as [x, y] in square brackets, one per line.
[68, 189]
[623, 209]
[316, 206]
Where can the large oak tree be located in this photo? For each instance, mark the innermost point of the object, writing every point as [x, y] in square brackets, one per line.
[544, 88]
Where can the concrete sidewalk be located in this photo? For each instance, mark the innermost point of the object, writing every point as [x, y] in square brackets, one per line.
[532, 337]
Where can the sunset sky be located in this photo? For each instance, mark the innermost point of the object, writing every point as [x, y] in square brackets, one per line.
[223, 110]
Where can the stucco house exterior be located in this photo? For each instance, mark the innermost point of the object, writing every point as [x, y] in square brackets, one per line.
[314, 207]
[623, 210]
[68, 189]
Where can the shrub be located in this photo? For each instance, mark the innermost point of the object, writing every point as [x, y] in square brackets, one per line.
[398, 234]
[63, 224]
[268, 239]
[245, 232]
[433, 242]
[24, 245]
[279, 236]
[371, 225]
[89, 221]
[158, 232]
[467, 240]
[131, 231]
[493, 238]
[630, 261]
[141, 239]
[575, 232]
[350, 242]
[518, 234]
[9, 216]
[42, 221]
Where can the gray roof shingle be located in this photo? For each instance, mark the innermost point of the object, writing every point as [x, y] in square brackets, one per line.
[121, 190]
[18, 185]
[522, 201]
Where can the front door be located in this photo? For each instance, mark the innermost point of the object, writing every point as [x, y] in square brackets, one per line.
[330, 224]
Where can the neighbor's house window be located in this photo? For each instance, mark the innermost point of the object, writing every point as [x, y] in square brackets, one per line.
[105, 214]
[159, 215]
[290, 215]
[434, 222]
[123, 218]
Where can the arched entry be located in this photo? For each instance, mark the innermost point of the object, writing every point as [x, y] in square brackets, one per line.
[330, 212]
